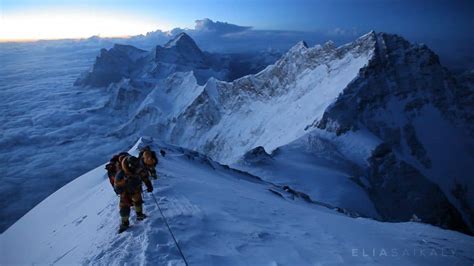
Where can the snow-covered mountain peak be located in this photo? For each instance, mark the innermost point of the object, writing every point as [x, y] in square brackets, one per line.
[112, 65]
[183, 41]
[298, 47]
[181, 54]
[181, 50]
[329, 45]
[403, 96]
[370, 34]
[126, 48]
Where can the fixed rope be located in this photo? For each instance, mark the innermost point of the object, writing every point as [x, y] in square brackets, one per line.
[169, 229]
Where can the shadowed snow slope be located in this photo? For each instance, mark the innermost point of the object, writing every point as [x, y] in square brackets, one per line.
[318, 164]
[220, 217]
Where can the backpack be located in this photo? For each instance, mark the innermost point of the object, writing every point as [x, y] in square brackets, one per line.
[111, 167]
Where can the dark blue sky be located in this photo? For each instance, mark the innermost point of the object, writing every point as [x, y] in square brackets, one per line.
[434, 19]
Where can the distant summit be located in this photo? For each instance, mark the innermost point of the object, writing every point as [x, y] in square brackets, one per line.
[182, 40]
[112, 65]
[183, 50]
[180, 54]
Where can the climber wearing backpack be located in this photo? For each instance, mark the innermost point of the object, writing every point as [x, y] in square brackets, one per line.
[128, 184]
[114, 167]
[149, 161]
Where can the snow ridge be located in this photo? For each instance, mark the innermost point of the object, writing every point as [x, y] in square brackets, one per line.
[219, 218]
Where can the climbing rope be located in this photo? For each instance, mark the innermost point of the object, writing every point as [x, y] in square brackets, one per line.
[169, 229]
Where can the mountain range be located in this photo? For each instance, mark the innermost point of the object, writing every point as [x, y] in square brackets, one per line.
[380, 95]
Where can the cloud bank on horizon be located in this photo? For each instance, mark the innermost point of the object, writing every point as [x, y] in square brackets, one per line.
[218, 36]
[224, 37]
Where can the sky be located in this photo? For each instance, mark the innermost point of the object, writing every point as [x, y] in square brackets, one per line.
[54, 19]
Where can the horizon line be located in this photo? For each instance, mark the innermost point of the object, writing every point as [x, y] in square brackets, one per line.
[66, 39]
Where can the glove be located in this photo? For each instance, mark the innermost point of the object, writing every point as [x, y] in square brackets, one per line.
[152, 173]
[149, 189]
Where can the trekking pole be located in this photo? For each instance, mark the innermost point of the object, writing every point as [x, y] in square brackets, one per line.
[169, 229]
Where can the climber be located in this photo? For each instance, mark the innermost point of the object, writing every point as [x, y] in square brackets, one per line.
[113, 167]
[149, 160]
[128, 184]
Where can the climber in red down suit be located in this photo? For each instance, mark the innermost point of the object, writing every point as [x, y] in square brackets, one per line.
[128, 184]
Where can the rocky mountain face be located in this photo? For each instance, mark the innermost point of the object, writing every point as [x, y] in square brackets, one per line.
[180, 54]
[385, 106]
[408, 100]
[407, 72]
[121, 61]
[400, 192]
[467, 78]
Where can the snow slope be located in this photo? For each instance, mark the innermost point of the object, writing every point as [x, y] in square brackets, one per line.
[220, 217]
[318, 164]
